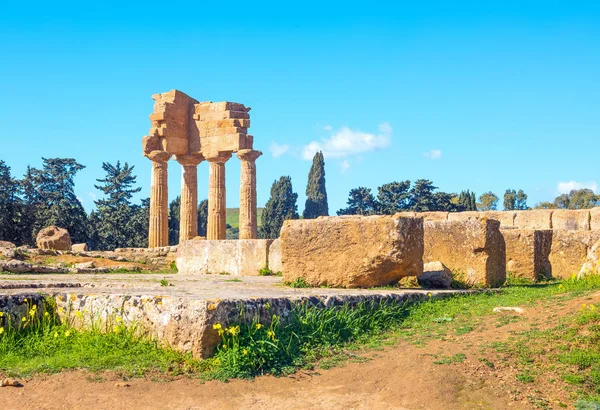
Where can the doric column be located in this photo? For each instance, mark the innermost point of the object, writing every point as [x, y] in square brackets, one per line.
[216, 227]
[248, 193]
[188, 214]
[158, 232]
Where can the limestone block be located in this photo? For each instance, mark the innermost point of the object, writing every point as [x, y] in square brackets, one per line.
[527, 252]
[55, 238]
[474, 250]
[592, 263]
[571, 220]
[79, 247]
[434, 216]
[463, 216]
[6, 244]
[506, 218]
[570, 251]
[534, 219]
[235, 257]
[274, 256]
[170, 120]
[435, 276]
[352, 251]
[595, 219]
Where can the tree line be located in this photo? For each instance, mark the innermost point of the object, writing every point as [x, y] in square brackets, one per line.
[46, 196]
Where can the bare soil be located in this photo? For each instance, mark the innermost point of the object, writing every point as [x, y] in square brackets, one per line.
[403, 376]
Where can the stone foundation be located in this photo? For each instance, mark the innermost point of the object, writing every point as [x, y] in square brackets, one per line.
[474, 250]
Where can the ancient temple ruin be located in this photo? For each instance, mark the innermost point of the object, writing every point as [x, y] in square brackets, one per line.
[191, 132]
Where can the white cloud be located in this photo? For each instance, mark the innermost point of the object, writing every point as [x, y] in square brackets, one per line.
[347, 142]
[328, 127]
[566, 187]
[93, 196]
[278, 150]
[433, 154]
[344, 166]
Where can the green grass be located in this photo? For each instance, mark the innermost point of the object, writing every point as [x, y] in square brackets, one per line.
[232, 217]
[329, 336]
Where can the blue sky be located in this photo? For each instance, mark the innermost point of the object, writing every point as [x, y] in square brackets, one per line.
[472, 95]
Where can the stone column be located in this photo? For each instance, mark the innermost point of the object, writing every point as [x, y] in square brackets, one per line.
[188, 214]
[216, 227]
[248, 193]
[158, 232]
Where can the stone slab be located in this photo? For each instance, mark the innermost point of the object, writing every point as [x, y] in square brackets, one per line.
[571, 220]
[274, 256]
[534, 219]
[570, 251]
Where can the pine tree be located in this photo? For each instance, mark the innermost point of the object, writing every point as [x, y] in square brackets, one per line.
[316, 194]
[488, 202]
[202, 217]
[109, 222]
[174, 218]
[422, 196]
[393, 197]
[58, 204]
[9, 206]
[521, 201]
[360, 202]
[138, 225]
[510, 200]
[30, 201]
[280, 206]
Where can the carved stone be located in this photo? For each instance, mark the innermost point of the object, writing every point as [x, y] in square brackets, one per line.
[217, 208]
[158, 232]
[188, 221]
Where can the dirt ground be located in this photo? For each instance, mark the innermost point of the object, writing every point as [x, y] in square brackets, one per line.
[403, 376]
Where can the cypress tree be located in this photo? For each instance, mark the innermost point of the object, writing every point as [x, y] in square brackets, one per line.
[202, 217]
[316, 194]
[280, 206]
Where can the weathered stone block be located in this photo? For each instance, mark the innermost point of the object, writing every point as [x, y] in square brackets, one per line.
[595, 219]
[79, 247]
[6, 244]
[463, 216]
[592, 263]
[534, 219]
[570, 251]
[527, 252]
[571, 220]
[434, 216]
[55, 238]
[236, 257]
[274, 256]
[506, 218]
[352, 251]
[473, 249]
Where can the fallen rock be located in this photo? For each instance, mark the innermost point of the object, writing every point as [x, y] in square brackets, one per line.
[435, 276]
[10, 383]
[79, 247]
[352, 251]
[85, 265]
[55, 238]
[509, 309]
[8, 245]
[15, 266]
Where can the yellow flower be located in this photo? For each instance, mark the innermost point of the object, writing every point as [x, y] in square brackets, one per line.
[225, 347]
[24, 299]
[67, 333]
[271, 334]
[217, 326]
[116, 329]
[1, 330]
[46, 314]
[429, 294]
[55, 335]
[78, 314]
[245, 351]
[34, 307]
[267, 305]
[119, 319]
[258, 326]
[217, 361]
[23, 319]
[233, 330]
[32, 312]
[220, 332]
[1, 314]
[583, 305]
[73, 298]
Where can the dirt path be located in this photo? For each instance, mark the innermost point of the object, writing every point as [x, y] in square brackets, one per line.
[400, 377]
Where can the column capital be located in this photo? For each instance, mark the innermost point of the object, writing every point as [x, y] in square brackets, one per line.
[158, 156]
[189, 159]
[248, 154]
[220, 157]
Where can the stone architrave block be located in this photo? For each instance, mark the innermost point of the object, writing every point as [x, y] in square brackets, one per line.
[352, 251]
[434, 216]
[570, 251]
[474, 250]
[571, 220]
[235, 257]
[463, 216]
[534, 219]
[506, 218]
[527, 252]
